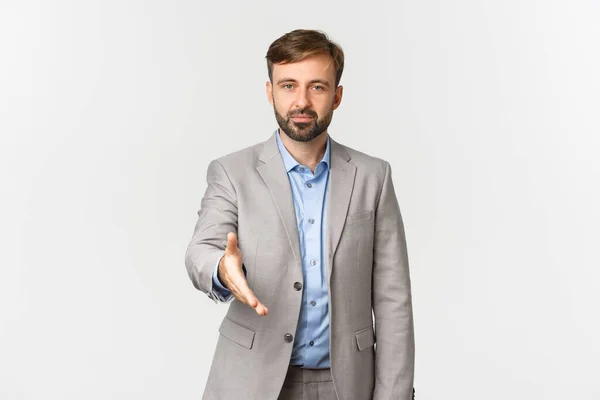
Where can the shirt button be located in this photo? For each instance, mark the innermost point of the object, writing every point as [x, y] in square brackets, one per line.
[311, 221]
[311, 343]
[301, 169]
[298, 286]
[288, 337]
[313, 262]
[309, 184]
[313, 303]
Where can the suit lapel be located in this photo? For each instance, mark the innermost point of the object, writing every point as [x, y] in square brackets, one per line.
[341, 184]
[272, 170]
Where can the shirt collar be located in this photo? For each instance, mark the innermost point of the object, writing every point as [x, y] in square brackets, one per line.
[290, 162]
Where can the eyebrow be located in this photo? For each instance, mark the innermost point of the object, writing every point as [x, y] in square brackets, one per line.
[322, 82]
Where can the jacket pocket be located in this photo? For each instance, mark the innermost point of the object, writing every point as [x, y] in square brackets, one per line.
[237, 333]
[365, 338]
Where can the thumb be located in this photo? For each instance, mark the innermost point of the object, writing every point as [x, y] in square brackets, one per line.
[232, 242]
[252, 301]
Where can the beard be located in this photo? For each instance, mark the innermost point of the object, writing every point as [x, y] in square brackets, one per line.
[303, 131]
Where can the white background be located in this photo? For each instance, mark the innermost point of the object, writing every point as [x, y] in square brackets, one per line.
[110, 112]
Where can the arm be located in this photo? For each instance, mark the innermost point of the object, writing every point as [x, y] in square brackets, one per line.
[217, 216]
[392, 301]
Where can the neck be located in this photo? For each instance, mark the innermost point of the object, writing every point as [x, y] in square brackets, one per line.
[306, 153]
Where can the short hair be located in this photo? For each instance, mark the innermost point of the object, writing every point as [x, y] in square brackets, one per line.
[302, 43]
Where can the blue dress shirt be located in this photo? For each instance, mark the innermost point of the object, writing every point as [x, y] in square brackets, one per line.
[310, 193]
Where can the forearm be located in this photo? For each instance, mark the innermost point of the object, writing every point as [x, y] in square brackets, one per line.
[217, 217]
[200, 262]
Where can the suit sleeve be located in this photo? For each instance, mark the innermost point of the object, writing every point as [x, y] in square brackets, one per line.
[392, 300]
[217, 216]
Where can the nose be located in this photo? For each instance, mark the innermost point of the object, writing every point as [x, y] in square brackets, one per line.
[302, 99]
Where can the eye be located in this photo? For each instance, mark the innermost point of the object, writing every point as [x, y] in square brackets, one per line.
[319, 88]
[288, 86]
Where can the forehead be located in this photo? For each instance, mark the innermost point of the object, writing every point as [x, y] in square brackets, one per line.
[318, 66]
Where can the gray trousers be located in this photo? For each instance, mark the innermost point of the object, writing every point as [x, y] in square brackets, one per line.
[307, 384]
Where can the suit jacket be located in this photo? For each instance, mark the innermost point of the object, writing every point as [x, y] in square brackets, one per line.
[249, 193]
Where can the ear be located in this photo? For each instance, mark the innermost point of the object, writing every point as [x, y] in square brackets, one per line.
[338, 96]
[269, 87]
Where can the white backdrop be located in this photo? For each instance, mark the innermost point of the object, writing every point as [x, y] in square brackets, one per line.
[110, 112]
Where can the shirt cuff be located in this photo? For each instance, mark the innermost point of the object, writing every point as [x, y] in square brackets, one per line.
[220, 291]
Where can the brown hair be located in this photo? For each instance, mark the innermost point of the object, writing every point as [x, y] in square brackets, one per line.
[301, 43]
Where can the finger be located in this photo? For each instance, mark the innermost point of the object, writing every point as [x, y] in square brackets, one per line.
[238, 285]
[245, 295]
[249, 296]
[232, 243]
[239, 288]
[261, 309]
[242, 285]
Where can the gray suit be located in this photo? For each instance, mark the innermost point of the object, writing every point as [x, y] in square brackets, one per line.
[368, 275]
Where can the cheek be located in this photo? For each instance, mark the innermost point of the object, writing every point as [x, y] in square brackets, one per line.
[279, 108]
[324, 106]
[281, 103]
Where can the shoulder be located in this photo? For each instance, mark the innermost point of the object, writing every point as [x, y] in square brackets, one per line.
[239, 159]
[365, 163]
[242, 156]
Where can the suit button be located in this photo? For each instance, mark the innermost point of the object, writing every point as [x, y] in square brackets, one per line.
[288, 337]
[298, 286]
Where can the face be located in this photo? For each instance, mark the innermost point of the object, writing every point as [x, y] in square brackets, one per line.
[303, 96]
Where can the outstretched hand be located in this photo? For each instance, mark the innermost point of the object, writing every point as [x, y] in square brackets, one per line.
[232, 276]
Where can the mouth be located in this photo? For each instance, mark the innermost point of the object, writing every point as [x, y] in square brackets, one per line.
[302, 118]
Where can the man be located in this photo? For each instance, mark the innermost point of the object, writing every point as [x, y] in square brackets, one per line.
[304, 237]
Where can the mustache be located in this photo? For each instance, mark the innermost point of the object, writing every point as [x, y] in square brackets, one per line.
[305, 112]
